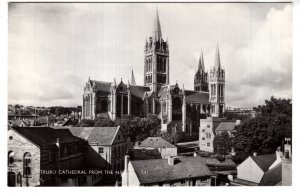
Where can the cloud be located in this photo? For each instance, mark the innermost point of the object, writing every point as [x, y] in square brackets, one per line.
[50, 57]
[265, 64]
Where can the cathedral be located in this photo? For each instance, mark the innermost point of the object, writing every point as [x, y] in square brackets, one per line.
[179, 109]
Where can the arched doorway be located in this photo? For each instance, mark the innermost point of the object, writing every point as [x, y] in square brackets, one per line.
[11, 179]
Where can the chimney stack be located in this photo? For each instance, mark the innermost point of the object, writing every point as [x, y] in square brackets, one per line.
[254, 153]
[287, 149]
[171, 160]
[57, 142]
[126, 163]
[279, 154]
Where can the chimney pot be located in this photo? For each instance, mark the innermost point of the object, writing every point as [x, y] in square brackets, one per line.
[171, 160]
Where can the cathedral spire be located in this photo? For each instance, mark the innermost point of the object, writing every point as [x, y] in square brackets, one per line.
[217, 58]
[157, 30]
[201, 63]
[132, 78]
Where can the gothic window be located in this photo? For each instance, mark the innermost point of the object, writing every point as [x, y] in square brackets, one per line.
[176, 103]
[104, 106]
[125, 105]
[27, 164]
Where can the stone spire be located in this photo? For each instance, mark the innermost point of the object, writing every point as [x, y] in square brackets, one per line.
[132, 78]
[217, 59]
[201, 63]
[157, 30]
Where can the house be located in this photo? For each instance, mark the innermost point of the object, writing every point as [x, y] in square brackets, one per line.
[107, 146]
[210, 127]
[164, 148]
[174, 171]
[36, 156]
[265, 170]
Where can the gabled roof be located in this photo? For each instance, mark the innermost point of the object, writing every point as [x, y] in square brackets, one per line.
[264, 161]
[156, 142]
[158, 170]
[226, 126]
[272, 177]
[101, 85]
[99, 135]
[139, 91]
[46, 136]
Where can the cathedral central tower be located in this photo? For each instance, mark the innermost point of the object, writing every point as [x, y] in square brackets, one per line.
[156, 60]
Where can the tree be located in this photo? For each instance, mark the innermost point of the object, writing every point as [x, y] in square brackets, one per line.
[264, 133]
[222, 143]
[134, 128]
[169, 136]
[86, 123]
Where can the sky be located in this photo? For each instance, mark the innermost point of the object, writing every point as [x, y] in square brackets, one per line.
[54, 48]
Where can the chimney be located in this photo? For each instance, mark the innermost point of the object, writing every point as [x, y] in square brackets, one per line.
[254, 153]
[287, 149]
[279, 154]
[126, 163]
[171, 160]
[237, 122]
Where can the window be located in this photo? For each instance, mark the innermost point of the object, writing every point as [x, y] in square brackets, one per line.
[11, 156]
[203, 130]
[203, 138]
[208, 126]
[100, 150]
[27, 164]
[208, 144]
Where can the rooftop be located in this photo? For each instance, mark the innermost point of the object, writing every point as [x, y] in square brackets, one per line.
[99, 135]
[158, 170]
[45, 136]
[264, 161]
[156, 142]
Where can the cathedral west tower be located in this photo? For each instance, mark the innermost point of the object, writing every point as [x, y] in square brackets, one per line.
[217, 87]
[156, 59]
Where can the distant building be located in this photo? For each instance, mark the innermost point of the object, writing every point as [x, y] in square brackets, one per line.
[107, 146]
[179, 171]
[178, 109]
[164, 148]
[37, 154]
[265, 170]
[210, 127]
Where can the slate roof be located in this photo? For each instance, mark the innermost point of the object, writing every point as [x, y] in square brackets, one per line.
[272, 177]
[156, 142]
[46, 136]
[101, 85]
[195, 96]
[138, 91]
[226, 126]
[264, 161]
[99, 135]
[158, 170]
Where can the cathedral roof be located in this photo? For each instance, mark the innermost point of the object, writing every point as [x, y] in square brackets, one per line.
[139, 91]
[101, 85]
[197, 97]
